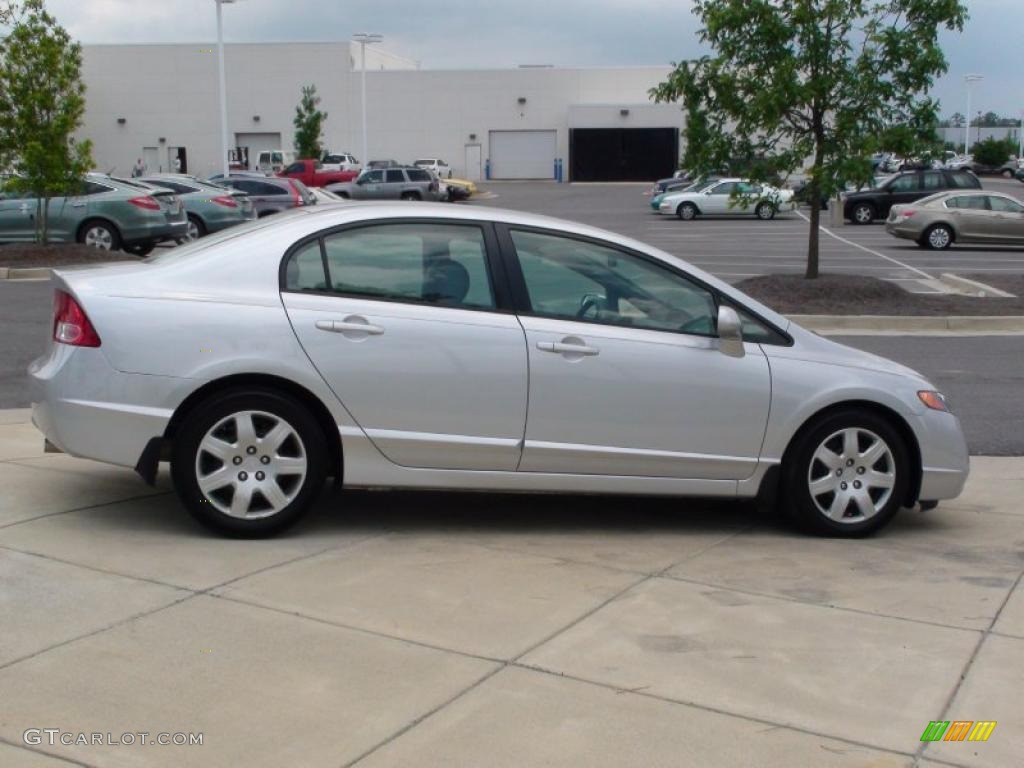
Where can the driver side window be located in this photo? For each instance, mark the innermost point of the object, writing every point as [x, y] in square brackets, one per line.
[577, 280]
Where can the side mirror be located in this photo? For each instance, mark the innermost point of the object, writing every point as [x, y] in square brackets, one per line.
[730, 332]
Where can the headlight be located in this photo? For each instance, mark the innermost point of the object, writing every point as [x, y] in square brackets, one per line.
[934, 400]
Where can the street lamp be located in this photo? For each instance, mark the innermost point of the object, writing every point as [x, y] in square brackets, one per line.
[223, 89]
[968, 80]
[365, 38]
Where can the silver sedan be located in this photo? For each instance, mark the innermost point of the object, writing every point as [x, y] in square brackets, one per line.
[473, 349]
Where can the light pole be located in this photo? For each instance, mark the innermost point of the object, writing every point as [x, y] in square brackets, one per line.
[364, 38]
[223, 88]
[969, 79]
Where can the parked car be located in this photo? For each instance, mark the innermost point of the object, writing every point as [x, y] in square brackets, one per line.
[727, 197]
[431, 353]
[1019, 175]
[1007, 169]
[209, 207]
[313, 174]
[109, 213]
[939, 221]
[340, 162]
[382, 164]
[436, 166]
[273, 161]
[323, 196]
[865, 206]
[271, 194]
[218, 178]
[390, 184]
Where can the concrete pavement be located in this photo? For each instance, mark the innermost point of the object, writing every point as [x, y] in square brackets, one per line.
[397, 629]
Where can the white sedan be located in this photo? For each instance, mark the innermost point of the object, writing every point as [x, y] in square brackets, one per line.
[727, 197]
[478, 349]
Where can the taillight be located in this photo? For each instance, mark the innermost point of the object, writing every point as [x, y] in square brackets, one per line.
[146, 202]
[296, 197]
[907, 214]
[226, 200]
[70, 323]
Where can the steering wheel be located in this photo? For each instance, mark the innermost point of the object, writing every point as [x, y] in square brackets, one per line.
[588, 302]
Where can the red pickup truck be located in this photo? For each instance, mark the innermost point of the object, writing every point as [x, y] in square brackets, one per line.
[311, 173]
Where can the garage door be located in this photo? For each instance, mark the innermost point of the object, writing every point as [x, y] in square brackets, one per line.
[523, 154]
[622, 154]
[257, 142]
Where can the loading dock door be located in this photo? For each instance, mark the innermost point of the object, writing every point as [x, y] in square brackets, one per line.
[522, 154]
[256, 143]
[622, 154]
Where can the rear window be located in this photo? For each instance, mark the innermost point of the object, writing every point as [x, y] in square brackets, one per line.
[418, 175]
[181, 189]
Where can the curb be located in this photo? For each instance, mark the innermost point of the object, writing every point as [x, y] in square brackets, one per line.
[25, 273]
[911, 324]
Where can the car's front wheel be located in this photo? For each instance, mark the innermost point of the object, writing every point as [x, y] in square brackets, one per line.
[249, 463]
[687, 211]
[846, 476]
[765, 211]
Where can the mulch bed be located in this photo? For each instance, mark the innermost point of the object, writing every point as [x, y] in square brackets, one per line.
[24, 255]
[856, 295]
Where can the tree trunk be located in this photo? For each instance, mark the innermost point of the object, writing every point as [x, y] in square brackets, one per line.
[814, 236]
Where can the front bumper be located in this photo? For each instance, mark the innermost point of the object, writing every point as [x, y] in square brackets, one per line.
[945, 462]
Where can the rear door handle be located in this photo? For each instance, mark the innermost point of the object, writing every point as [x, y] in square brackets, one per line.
[350, 325]
[562, 348]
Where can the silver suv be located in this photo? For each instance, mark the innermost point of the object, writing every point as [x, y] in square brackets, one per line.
[390, 184]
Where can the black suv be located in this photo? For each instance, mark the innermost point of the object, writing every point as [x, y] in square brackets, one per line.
[869, 204]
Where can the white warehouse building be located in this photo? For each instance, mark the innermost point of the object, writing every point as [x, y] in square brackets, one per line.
[160, 103]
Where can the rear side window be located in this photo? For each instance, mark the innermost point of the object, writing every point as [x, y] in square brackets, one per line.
[934, 180]
[262, 188]
[92, 188]
[440, 264]
[906, 183]
[394, 177]
[965, 181]
[418, 175]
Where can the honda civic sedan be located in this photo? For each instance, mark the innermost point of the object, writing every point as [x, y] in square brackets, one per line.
[474, 349]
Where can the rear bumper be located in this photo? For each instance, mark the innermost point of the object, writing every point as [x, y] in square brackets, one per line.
[71, 389]
[898, 229]
[155, 232]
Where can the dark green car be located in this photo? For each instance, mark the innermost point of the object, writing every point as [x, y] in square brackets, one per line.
[210, 207]
[109, 213]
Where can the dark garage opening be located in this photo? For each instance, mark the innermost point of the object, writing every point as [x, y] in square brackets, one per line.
[622, 154]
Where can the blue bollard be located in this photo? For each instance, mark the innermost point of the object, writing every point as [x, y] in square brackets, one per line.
[487, 169]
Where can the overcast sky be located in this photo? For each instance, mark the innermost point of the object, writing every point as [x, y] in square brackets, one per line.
[505, 33]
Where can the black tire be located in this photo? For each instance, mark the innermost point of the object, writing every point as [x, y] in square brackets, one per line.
[765, 211]
[411, 196]
[687, 211]
[797, 501]
[95, 225]
[310, 444]
[938, 237]
[200, 227]
[1007, 174]
[140, 249]
[863, 213]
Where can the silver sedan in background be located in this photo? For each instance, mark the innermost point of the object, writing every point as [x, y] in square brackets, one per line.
[471, 348]
[963, 216]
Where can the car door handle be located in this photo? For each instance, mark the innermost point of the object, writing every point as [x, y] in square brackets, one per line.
[350, 325]
[561, 348]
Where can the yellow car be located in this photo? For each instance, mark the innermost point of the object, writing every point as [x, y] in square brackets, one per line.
[465, 184]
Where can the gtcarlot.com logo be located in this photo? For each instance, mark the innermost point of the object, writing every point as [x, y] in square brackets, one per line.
[958, 730]
[56, 737]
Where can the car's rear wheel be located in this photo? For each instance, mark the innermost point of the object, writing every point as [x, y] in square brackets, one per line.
[195, 229]
[1007, 174]
[846, 476]
[687, 211]
[410, 196]
[765, 211]
[249, 463]
[100, 234]
[863, 213]
[939, 237]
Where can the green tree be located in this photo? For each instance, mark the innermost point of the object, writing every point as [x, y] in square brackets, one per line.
[828, 80]
[44, 97]
[309, 121]
[993, 152]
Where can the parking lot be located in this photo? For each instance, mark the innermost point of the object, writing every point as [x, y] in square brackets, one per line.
[435, 629]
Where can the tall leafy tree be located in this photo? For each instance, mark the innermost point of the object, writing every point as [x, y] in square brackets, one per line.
[828, 80]
[309, 121]
[44, 100]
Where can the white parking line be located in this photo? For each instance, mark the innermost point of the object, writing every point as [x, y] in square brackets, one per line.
[830, 233]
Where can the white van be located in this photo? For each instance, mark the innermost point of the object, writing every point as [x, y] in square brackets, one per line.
[273, 160]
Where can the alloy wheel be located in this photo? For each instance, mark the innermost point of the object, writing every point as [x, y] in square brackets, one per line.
[851, 475]
[939, 238]
[251, 465]
[192, 232]
[863, 214]
[99, 237]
